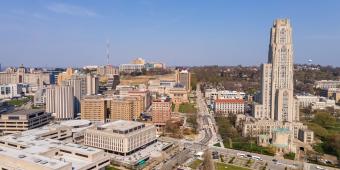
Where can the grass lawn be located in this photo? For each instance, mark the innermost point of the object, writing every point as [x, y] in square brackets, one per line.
[187, 108]
[244, 144]
[110, 168]
[222, 166]
[195, 164]
[18, 102]
[217, 144]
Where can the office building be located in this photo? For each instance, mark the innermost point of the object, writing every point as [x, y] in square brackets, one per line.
[94, 108]
[183, 77]
[224, 107]
[121, 137]
[17, 121]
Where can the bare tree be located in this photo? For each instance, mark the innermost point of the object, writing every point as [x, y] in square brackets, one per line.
[208, 163]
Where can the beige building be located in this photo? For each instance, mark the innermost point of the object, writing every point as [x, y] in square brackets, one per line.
[254, 128]
[326, 84]
[121, 137]
[178, 94]
[29, 151]
[184, 77]
[34, 78]
[129, 68]
[161, 111]
[94, 108]
[138, 61]
[60, 102]
[137, 104]
[229, 106]
[65, 75]
[277, 102]
[23, 120]
[107, 70]
[92, 84]
[121, 109]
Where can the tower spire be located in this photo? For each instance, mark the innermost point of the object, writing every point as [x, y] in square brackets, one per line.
[108, 52]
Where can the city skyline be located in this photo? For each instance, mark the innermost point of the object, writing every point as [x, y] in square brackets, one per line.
[63, 34]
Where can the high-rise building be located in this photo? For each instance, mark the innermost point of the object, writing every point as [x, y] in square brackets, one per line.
[65, 75]
[94, 108]
[161, 111]
[60, 101]
[277, 102]
[183, 77]
[121, 109]
[92, 83]
[64, 102]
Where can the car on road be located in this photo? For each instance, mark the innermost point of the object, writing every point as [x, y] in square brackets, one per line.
[274, 160]
[241, 154]
[320, 168]
[249, 156]
[256, 158]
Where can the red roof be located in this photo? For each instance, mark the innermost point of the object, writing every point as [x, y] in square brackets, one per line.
[229, 101]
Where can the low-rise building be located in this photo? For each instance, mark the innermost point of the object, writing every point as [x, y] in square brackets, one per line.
[178, 94]
[326, 84]
[306, 136]
[229, 106]
[9, 91]
[307, 100]
[121, 137]
[22, 120]
[253, 127]
[130, 68]
[26, 150]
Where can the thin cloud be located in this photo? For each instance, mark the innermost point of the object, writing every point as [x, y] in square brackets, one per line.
[68, 9]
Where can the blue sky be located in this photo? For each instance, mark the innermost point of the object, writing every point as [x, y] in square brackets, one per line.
[176, 32]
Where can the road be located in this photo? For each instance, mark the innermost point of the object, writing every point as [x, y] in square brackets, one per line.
[209, 137]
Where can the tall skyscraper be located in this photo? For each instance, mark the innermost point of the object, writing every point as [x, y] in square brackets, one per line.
[277, 100]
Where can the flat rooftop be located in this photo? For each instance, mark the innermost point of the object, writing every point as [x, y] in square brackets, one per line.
[122, 125]
[36, 147]
[23, 112]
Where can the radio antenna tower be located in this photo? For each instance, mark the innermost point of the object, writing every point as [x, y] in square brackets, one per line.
[108, 52]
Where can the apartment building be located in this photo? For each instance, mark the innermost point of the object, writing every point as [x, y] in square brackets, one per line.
[161, 111]
[94, 108]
